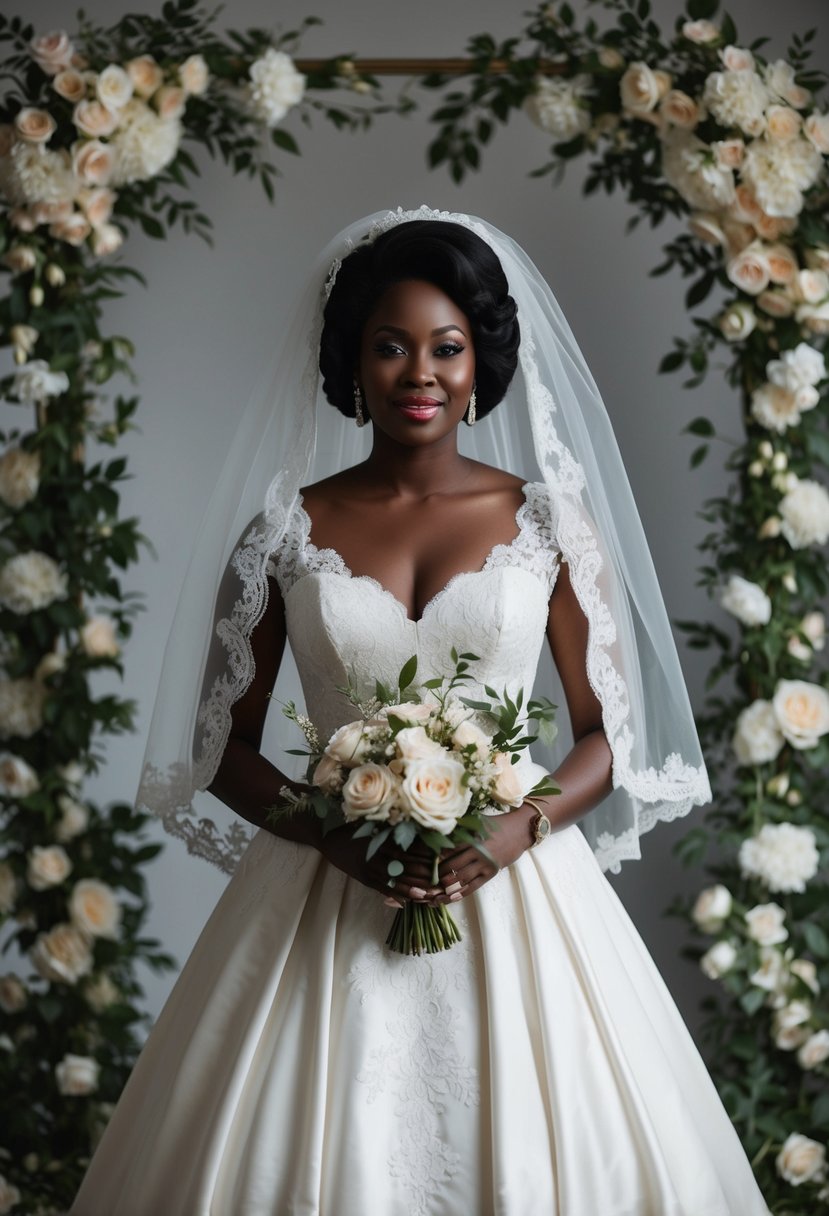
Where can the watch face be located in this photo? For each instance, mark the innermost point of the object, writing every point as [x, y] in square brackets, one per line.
[543, 827]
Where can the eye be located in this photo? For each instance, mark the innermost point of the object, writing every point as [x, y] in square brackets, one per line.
[388, 349]
[447, 349]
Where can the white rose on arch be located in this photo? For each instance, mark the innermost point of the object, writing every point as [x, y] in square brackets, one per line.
[757, 736]
[815, 1050]
[804, 514]
[718, 960]
[555, 106]
[801, 1160]
[77, 1075]
[17, 778]
[94, 909]
[765, 924]
[275, 86]
[34, 383]
[802, 712]
[746, 601]
[712, 908]
[31, 581]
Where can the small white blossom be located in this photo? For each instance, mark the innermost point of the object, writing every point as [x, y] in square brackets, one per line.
[275, 86]
[34, 383]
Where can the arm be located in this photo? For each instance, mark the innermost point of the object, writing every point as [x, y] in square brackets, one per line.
[584, 776]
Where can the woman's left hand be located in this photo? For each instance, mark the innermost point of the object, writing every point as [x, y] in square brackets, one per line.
[464, 869]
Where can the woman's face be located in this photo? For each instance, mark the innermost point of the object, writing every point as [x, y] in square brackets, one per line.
[417, 363]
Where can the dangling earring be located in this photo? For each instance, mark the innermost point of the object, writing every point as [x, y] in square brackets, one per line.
[470, 410]
[359, 413]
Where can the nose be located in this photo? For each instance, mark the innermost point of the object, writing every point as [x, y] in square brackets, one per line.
[418, 369]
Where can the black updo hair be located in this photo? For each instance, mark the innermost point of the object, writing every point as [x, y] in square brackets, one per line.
[452, 258]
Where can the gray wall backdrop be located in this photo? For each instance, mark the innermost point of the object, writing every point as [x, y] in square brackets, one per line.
[209, 317]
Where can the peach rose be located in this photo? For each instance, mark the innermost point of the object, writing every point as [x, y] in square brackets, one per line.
[802, 712]
[370, 792]
[729, 153]
[433, 793]
[93, 162]
[20, 258]
[36, 126]
[782, 263]
[815, 317]
[812, 286]
[145, 74]
[782, 123]
[52, 52]
[106, 239]
[639, 89]
[70, 85]
[737, 59]
[193, 75]
[328, 775]
[73, 230]
[348, 744]
[94, 119]
[816, 130]
[98, 638]
[94, 909]
[13, 995]
[776, 303]
[745, 206]
[51, 213]
[97, 204]
[48, 866]
[738, 236]
[679, 109]
[700, 31]
[507, 785]
[170, 101]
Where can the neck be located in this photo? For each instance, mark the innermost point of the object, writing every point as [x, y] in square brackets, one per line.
[417, 472]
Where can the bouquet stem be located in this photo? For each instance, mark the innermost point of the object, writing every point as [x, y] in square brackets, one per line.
[422, 929]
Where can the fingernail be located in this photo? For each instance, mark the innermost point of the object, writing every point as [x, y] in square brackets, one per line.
[455, 886]
[391, 902]
[417, 892]
[455, 896]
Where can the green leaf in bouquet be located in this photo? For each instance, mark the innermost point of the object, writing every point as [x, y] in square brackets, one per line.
[375, 842]
[383, 693]
[396, 724]
[483, 706]
[320, 803]
[490, 692]
[394, 868]
[405, 833]
[436, 841]
[366, 828]
[407, 673]
[432, 684]
[298, 751]
[471, 658]
[546, 786]
[547, 730]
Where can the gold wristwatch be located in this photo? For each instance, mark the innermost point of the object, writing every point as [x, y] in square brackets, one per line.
[540, 825]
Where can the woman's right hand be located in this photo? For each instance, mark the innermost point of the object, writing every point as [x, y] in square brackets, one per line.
[349, 855]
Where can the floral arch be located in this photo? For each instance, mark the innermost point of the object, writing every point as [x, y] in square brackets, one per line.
[693, 124]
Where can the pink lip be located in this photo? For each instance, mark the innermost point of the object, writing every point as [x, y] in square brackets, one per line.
[421, 409]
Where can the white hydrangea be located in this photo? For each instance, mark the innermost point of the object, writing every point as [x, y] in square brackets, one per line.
[688, 166]
[737, 99]
[801, 367]
[34, 383]
[778, 173]
[143, 144]
[776, 408]
[556, 107]
[804, 514]
[746, 601]
[30, 581]
[757, 735]
[21, 707]
[781, 855]
[275, 86]
[37, 174]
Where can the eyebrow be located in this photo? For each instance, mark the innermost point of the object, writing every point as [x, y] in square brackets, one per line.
[403, 333]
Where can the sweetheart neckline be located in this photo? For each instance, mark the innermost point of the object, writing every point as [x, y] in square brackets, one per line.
[346, 572]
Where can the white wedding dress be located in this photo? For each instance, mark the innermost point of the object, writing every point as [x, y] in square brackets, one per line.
[538, 1068]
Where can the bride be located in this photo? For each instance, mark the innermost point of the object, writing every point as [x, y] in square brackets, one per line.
[540, 1066]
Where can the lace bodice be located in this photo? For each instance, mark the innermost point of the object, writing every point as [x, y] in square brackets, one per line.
[343, 626]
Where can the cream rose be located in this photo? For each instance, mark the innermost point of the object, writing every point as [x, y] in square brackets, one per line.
[707, 227]
[639, 89]
[114, 87]
[765, 924]
[74, 819]
[414, 744]
[53, 51]
[170, 101]
[815, 317]
[771, 974]
[467, 734]
[17, 778]
[94, 909]
[348, 744]
[70, 85]
[804, 515]
[782, 263]
[701, 31]
[50, 213]
[370, 792]
[106, 239]
[812, 286]
[93, 162]
[801, 1160]
[98, 638]
[97, 204]
[712, 908]
[782, 123]
[738, 321]
[737, 59]
[8, 888]
[806, 971]
[77, 1075]
[145, 74]
[802, 712]
[507, 785]
[433, 793]
[779, 77]
[21, 707]
[100, 993]
[749, 269]
[48, 866]
[774, 407]
[789, 1025]
[73, 230]
[94, 119]
[679, 109]
[19, 476]
[815, 1050]
[193, 75]
[328, 775]
[776, 303]
[816, 130]
[729, 152]
[747, 601]
[757, 737]
[13, 995]
[719, 959]
[20, 259]
[62, 955]
[37, 126]
[409, 711]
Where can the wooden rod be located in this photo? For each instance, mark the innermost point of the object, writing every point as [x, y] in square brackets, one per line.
[421, 67]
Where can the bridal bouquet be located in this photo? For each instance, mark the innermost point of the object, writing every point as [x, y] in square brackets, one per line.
[417, 764]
